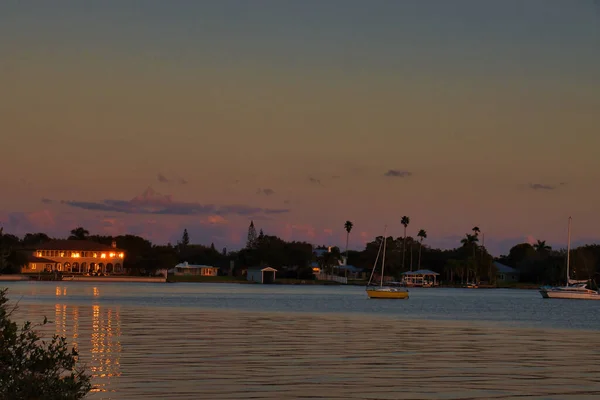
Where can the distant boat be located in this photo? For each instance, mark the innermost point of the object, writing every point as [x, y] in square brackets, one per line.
[573, 289]
[384, 292]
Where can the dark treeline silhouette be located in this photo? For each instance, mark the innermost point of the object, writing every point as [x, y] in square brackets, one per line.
[469, 261]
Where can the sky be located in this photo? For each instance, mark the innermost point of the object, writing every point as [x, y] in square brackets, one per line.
[150, 117]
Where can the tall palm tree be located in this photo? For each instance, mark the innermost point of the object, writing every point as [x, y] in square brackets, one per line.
[79, 233]
[470, 241]
[404, 221]
[422, 236]
[476, 231]
[541, 246]
[348, 227]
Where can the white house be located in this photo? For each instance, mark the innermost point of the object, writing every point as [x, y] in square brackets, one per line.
[261, 274]
[199, 270]
[504, 273]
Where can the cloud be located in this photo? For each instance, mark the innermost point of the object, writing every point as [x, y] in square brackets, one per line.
[266, 192]
[397, 173]
[152, 202]
[286, 202]
[541, 186]
[47, 201]
[162, 179]
[314, 180]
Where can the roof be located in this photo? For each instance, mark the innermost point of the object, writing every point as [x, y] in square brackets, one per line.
[420, 272]
[505, 269]
[263, 269]
[35, 259]
[70, 244]
[186, 265]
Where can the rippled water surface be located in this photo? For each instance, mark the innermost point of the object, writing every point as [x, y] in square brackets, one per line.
[222, 341]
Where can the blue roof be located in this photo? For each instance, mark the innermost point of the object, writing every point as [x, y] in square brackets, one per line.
[351, 268]
[505, 269]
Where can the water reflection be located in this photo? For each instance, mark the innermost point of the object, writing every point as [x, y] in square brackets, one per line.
[140, 350]
[95, 331]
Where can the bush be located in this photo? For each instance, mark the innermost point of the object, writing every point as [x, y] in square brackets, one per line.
[31, 369]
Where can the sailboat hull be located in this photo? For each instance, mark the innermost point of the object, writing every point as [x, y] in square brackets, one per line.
[387, 294]
[567, 294]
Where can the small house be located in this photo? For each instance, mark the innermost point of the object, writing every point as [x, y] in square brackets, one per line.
[506, 274]
[261, 274]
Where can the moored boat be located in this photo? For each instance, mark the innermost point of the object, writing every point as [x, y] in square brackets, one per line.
[381, 291]
[574, 289]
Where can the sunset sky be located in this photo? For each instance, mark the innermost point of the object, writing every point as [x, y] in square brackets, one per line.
[148, 117]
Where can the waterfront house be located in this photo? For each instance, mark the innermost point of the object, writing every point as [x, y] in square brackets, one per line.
[261, 274]
[75, 257]
[196, 270]
[506, 274]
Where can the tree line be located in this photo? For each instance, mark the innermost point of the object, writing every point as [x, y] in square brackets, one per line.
[468, 261]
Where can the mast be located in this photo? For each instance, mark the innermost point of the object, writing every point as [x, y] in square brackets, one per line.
[383, 258]
[568, 250]
[375, 264]
[376, 259]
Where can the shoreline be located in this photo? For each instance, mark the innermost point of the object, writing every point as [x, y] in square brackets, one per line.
[226, 279]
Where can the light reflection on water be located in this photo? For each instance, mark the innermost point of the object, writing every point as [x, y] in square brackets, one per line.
[136, 349]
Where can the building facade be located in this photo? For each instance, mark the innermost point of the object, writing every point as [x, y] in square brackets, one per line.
[196, 270]
[76, 257]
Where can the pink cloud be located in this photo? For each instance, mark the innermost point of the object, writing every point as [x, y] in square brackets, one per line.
[215, 220]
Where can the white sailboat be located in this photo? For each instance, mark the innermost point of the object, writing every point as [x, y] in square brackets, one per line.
[573, 289]
[384, 292]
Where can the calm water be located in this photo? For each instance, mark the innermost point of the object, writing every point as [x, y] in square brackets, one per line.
[203, 341]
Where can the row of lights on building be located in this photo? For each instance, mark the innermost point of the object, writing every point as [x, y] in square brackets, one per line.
[95, 255]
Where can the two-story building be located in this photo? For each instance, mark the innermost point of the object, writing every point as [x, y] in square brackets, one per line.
[76, 257]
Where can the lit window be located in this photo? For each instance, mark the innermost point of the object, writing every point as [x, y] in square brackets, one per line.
[121, 255]
[103, 255]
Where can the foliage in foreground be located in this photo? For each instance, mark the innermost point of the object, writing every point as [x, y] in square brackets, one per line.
[31, 369]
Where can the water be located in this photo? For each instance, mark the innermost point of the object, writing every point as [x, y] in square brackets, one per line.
[227, 341]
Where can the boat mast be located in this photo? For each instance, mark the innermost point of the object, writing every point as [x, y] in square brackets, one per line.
[383, 258]
[376, 259]
[568, 250]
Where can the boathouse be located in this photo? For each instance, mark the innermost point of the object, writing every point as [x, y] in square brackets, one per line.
[261, 274]
[420, 277]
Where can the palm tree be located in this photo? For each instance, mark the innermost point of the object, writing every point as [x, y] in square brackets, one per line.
[476, 230]
[470, 241]
[422, 236]
[541, 246]
[79, 233]
[348, 227]
[404, 221]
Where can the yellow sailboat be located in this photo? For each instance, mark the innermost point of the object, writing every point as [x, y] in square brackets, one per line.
[384, 292]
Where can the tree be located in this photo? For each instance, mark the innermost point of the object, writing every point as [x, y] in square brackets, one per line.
[348, 227]
[422, 236]
[541, 246]
[185, 238]
[79, 233]
[251, 242]
[31, 368]
[404, 221]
